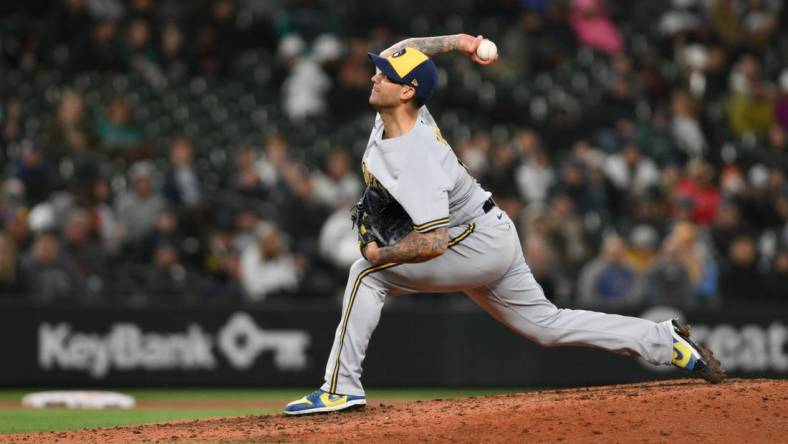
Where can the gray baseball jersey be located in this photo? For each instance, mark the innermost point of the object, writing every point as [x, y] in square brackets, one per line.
[420, 170]
[484, 260]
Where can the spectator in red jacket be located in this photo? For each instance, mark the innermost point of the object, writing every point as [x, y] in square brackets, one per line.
[698, 187]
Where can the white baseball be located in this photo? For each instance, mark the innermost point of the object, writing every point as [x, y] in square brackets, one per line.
[486, 50]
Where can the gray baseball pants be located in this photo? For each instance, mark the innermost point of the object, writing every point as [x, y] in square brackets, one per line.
[484, 260]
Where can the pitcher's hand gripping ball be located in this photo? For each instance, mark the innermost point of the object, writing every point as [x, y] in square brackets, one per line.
[487, 50]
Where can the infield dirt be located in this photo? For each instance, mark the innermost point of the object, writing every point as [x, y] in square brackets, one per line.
[677, 411]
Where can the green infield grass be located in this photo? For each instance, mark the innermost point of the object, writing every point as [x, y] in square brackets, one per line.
[45, 420]
[158, 405]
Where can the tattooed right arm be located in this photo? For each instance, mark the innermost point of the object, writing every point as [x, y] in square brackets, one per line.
[432, 46]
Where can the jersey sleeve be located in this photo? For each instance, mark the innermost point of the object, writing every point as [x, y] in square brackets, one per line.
[423, 191]
[424, 114]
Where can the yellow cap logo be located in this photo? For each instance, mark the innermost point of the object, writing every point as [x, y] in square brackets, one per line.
[404, 60]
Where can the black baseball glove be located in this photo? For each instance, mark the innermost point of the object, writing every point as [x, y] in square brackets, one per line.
[379, 217]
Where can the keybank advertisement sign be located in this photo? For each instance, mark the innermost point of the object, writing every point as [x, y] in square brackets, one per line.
[287, 345]
[128, 346]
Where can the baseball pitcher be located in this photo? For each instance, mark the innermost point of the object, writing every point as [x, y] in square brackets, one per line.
[454, 239]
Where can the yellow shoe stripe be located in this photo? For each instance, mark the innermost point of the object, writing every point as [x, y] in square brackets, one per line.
[356, 285]
[300, 401]
[325, 398]
[682, 351]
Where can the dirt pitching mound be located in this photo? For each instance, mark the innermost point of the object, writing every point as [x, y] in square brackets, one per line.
[672, 411]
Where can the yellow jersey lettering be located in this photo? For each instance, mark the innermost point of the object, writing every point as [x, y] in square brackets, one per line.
[439, 136]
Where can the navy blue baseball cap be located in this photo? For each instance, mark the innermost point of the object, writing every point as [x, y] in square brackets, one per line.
[409, 66]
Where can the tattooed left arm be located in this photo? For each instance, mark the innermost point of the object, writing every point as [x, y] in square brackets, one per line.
[415, 247]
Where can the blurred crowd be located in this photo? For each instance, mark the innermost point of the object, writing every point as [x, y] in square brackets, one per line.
[640, 147]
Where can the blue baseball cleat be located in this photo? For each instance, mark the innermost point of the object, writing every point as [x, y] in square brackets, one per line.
[321, 401]
[696, 359]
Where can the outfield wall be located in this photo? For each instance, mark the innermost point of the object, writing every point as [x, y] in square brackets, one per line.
[419, 344]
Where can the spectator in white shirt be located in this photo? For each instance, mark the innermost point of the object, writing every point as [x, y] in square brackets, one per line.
[338, 184]
[535, 177]
[267, 267]
[631, 171]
